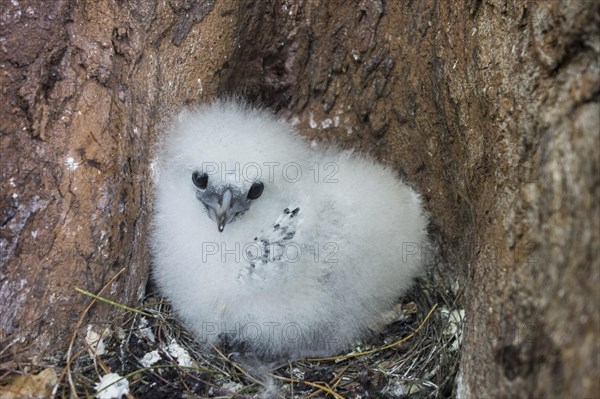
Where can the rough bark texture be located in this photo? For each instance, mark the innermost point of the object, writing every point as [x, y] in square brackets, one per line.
[490, 108]
[85, 86]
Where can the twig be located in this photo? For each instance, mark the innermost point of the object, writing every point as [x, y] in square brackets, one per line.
[382, 348]
[105, 300]
[312, 384]
[67, 369]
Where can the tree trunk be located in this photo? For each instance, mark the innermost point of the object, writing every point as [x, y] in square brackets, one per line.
[490, 108]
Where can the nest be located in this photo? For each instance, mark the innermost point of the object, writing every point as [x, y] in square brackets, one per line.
[415, 357]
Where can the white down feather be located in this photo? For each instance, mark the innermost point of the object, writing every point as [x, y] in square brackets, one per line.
[358, 237]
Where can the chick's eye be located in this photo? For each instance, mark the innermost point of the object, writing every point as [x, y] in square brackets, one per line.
[256, 190]
[200, 180]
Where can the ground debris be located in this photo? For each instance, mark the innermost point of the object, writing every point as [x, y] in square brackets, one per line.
[416, 356]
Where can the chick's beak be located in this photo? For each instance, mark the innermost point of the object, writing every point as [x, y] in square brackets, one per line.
[221, 223]
[224, 210]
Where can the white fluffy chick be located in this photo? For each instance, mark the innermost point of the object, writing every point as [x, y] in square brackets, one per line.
[277, 249]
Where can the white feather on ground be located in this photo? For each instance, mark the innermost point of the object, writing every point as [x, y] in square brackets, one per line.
[314, 264]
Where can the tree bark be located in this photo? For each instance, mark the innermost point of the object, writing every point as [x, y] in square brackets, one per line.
[86, 86]
[490, 108]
